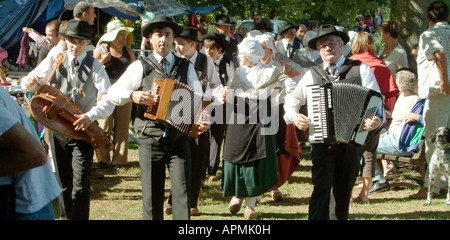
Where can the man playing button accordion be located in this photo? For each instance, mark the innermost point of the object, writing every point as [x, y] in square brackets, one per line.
[160, 144]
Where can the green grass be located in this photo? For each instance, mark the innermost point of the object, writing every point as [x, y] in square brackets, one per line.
[118, 197]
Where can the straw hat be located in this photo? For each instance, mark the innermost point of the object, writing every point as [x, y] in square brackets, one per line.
[113, 28]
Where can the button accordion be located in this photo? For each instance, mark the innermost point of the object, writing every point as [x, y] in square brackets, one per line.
[337, 112]
[177, 104]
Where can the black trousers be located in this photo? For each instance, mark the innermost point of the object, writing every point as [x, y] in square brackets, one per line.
[73, 160]
[154, 156]
[7, 202]
[199, 163]
[335, 167]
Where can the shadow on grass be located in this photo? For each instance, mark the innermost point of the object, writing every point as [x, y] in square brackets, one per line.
[261, 215]
[300, 180]
[415, 215]
[289, 201]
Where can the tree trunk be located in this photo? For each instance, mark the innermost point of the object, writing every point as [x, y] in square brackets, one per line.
[412, 17]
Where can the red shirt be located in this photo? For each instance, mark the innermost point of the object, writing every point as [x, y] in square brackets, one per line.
[385, 79]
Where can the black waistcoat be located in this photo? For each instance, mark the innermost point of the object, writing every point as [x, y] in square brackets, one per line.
[349, 73]
[149, 127]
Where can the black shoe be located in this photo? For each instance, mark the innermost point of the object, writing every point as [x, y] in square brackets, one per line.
[379, 186]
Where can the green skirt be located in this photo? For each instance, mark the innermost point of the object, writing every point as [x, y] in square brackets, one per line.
[254, 178]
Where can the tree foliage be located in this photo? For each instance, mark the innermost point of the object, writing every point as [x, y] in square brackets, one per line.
[339, 12]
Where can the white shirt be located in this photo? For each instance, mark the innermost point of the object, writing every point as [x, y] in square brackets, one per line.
[103, 108]
[298, 97]
[212, 74]
[288, 84]
[396, 59]
[246, 81]
[434, 39]
[402, 106]
[229, 68]
[286, 43]
[131, 80]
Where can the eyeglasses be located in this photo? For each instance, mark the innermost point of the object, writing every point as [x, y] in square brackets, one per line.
[330, 44]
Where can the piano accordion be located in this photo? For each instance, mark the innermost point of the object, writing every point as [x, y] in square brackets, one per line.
[337, 111]
[176, 104]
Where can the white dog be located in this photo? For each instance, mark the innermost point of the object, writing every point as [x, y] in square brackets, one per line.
[440, 161]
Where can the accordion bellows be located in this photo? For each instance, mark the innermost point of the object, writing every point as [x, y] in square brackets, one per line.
[176, 104]
[337, 112]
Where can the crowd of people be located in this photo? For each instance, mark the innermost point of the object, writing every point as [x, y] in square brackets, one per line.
[255, 84]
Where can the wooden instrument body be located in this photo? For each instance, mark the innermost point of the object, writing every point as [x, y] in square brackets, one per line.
[162, 90]
[56, 111]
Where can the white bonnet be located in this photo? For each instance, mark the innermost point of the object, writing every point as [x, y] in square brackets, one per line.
[252, 49]
[268, 39]
[253, 33]
[352, 35]
[308, 36]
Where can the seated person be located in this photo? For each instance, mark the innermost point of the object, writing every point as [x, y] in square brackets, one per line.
[407, 122]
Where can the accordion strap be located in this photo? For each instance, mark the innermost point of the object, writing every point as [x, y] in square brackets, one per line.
[158, 70]
[155, 67]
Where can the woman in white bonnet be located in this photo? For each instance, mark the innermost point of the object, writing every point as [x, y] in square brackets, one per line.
[309, 53]
[287, 148]
[250, 167]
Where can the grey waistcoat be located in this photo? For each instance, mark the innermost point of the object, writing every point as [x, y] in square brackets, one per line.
[83, 81]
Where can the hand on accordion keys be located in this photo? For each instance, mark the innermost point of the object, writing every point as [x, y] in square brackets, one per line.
[222, 91]
[301, 121]
[203, 123]
[144, 98]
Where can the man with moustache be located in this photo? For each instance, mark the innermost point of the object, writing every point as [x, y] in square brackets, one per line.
[335, 166]
[160, 145]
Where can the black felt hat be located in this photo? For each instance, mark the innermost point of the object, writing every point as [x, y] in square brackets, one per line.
[326, 30]
[78, 29]
[190, 33]
[262, 26]
[223, 20]
[161, 22]
[218, 38]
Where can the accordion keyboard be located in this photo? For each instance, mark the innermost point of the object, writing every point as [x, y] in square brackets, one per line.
[337, 112]
[316, 109]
